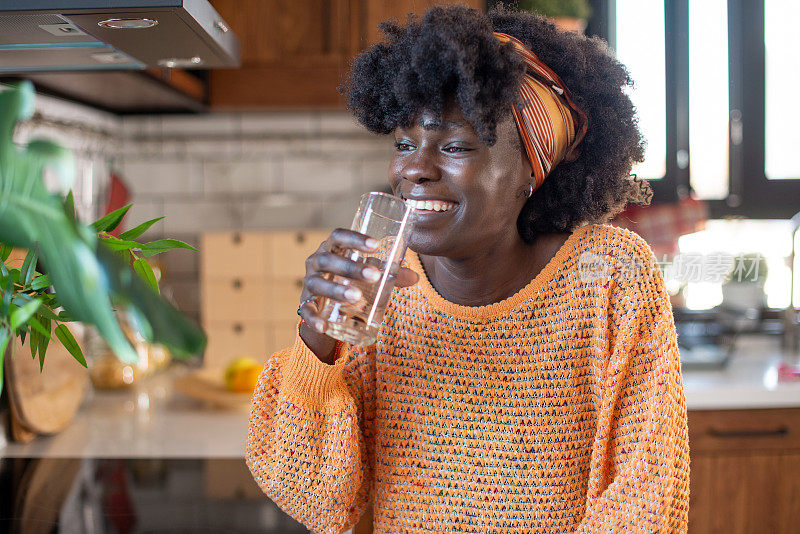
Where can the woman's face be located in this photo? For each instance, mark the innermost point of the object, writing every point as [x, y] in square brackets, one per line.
[480, 189]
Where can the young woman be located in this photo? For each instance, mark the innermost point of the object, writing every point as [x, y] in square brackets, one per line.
[526, 375]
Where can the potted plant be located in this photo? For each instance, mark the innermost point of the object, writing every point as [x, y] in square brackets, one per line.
[86, 274]
[569, 15]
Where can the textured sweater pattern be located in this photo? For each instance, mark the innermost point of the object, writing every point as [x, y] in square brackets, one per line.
[560, 409]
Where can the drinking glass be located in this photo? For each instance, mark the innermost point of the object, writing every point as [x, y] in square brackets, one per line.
[386, 219]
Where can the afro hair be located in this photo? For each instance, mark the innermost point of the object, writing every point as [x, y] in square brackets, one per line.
[451, 55]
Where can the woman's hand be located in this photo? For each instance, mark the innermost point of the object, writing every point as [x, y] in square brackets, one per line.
[318, 284]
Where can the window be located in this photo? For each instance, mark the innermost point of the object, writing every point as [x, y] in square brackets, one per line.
[782, 78]
[639, 44]
[708, 98]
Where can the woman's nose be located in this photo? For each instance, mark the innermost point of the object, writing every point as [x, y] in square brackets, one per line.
[420, 167]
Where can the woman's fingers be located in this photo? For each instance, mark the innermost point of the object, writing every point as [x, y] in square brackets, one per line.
[406, 277]
[319, 286]
[328, 262]
[342, 238]
[309, 313]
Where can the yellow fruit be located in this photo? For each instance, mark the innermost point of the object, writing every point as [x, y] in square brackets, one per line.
[242, 373]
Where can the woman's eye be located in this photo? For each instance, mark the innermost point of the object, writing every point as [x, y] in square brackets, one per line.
[454, 149]
[403, 147]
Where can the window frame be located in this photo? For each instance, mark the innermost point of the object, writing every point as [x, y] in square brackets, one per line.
[750, 193]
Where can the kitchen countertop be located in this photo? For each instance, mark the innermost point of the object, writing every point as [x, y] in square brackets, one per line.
[748, 381]
[149, 420]
[152, 421]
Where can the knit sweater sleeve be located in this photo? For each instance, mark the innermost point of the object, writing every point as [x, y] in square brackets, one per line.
[305, 446]
[639, 479]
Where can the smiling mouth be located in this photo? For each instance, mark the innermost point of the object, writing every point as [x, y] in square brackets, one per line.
[428, 206]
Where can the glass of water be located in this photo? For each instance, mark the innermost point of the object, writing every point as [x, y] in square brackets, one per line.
[386, 219]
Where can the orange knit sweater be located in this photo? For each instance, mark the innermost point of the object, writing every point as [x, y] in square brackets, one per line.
[560, 409]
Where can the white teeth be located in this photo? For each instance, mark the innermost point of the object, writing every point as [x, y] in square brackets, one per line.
[430, 205]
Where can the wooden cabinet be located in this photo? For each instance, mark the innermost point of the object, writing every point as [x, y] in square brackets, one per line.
[250, 284]
[295, 54]
[745, 471]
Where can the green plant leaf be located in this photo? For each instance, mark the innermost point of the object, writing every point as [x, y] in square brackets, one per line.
[40, 282]
[13, 272]
[64, 317]
[43, 343]
[133, 233]
[8, 292]
[28, 267]
[33, 342]
[4, 338]
[20, 316]
[162, 245]
[161, 322]
[118, 244]
[85, 276]
[37, 325]
[144, 270]
[69, 205]
[112, 220]
[68, 340]
[5, 252]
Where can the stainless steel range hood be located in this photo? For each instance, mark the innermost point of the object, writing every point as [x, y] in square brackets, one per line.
[78, 35]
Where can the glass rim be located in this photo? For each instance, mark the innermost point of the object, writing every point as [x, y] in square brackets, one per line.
[387, 196]
[381, 193]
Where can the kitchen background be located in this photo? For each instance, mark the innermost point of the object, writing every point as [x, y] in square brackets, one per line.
[266, 151]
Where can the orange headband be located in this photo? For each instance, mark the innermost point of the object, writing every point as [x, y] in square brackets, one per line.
[550, 123]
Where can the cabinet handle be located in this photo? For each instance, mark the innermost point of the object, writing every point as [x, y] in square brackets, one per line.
[237, 284]
[780, 431]
[238, 328]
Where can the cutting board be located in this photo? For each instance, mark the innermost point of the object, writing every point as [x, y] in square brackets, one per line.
[208, 385]
[44, 402]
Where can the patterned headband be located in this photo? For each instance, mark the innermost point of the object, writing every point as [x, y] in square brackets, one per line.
[550, 123]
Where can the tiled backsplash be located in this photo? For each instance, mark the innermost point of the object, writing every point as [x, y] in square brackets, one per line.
[92, 135]
[231, 171]
[248, 171]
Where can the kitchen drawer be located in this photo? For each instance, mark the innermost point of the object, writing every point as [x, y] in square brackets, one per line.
[284, 298]
[235, 299]
[740, 430]
[287, 252]
[228, 254]
[227, 340]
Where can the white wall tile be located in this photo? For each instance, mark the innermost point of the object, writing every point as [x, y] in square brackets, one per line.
[213, 148]
[174, 149]
[141, 126]
[354, 147]
[212, 124]
[318, 176]
[243, 176]
[339, 122]
[154, 178]
[61, 110]
[144, 210]
[374, 174]
[279, 123]
[264, 214]
[201, 215]
[339, 212]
